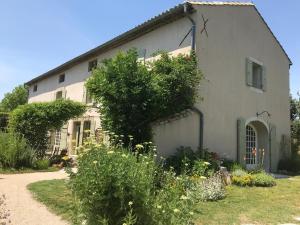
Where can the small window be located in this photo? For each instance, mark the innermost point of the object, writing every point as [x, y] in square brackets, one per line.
[61, 78]
[257, 71]
[255, 74]
[35, 87]
[59, 95]
[92, 65]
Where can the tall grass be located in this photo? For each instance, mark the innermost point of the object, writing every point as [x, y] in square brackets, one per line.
[14, 152]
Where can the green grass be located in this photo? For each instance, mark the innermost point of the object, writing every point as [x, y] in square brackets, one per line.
[55, 195]
[27, 170]
[248, 205]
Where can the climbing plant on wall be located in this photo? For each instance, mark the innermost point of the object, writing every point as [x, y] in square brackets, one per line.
[33, 121]
[133, 94]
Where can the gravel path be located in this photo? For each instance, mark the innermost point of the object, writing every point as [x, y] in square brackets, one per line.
[18, 205]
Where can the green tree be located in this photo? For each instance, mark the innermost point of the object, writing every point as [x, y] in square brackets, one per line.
[12, 100]
[132, 94]
[33, 121]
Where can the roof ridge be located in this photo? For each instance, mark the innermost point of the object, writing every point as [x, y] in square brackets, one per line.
[230, 3]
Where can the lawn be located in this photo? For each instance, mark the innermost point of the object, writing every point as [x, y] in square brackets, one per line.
[27, 170]
[251, 205]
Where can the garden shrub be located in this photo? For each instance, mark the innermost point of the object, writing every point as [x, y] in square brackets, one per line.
[290, 164]
[231, 165]
[15, 152]
[41, 164]
[210, 189]
[263, 179]
[134, 94]
[242, 178]
[245, 180]
[114, 186]
[33, 121]
[183, 161]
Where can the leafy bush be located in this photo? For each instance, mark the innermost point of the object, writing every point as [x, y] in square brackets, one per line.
[41, 164]
[291, 164]
[202, 168]
[14, 151]
[263, 180]
[133, 94]
[115, 186]
[33, 121]
[245, 180]
[184, 161]
[231, 165]
[211, 189]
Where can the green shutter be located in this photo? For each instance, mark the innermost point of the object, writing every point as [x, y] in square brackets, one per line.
[241, 141]
[249, 81]
[63, 136]
[273, 148]
[264, 79]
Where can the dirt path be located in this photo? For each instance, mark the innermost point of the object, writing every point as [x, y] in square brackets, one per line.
[23, 209]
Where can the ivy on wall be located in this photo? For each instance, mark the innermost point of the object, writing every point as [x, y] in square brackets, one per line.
[33, 121]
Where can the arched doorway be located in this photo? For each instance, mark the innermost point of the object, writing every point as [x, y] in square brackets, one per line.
[257, 144]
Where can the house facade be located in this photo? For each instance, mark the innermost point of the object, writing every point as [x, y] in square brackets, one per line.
[244, 110]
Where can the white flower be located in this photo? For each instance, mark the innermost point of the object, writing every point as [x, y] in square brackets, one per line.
[207, 163]
[183, 197]
[186, 164]
[202, 177]
[139, 146]
[95, 162]
[191, 213]
[110, 152]
[176, 210]
[130, 203]
[159, 206]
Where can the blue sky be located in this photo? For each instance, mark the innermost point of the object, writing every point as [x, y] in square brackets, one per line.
[36, 36]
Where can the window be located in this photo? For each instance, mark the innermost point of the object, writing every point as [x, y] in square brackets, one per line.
[35, 87]
[59, 95]
[251, 143]
[92, 65]
[61, 78]
[57, 138]
[88, 99]
[86, 130]
[255, 74]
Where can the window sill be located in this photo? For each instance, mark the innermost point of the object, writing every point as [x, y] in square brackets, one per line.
[257, 90]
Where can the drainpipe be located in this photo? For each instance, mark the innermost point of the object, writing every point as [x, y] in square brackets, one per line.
[193, 29]
[200, 114]
[193, 47]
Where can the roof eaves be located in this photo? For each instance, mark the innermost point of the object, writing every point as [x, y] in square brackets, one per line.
[220, 3]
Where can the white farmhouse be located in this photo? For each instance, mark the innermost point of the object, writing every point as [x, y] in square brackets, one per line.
[245, 93]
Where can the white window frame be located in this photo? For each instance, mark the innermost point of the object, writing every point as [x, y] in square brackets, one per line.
[251, 143]
[57, 138]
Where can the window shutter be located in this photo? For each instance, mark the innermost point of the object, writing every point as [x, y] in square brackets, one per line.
[64, 93]
[273, 146]
[93, 126]
[84, 95]
[264, 79]
[241, 141]
[63, 137]
[249, 79]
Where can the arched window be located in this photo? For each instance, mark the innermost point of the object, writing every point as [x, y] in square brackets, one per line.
[251, 145]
